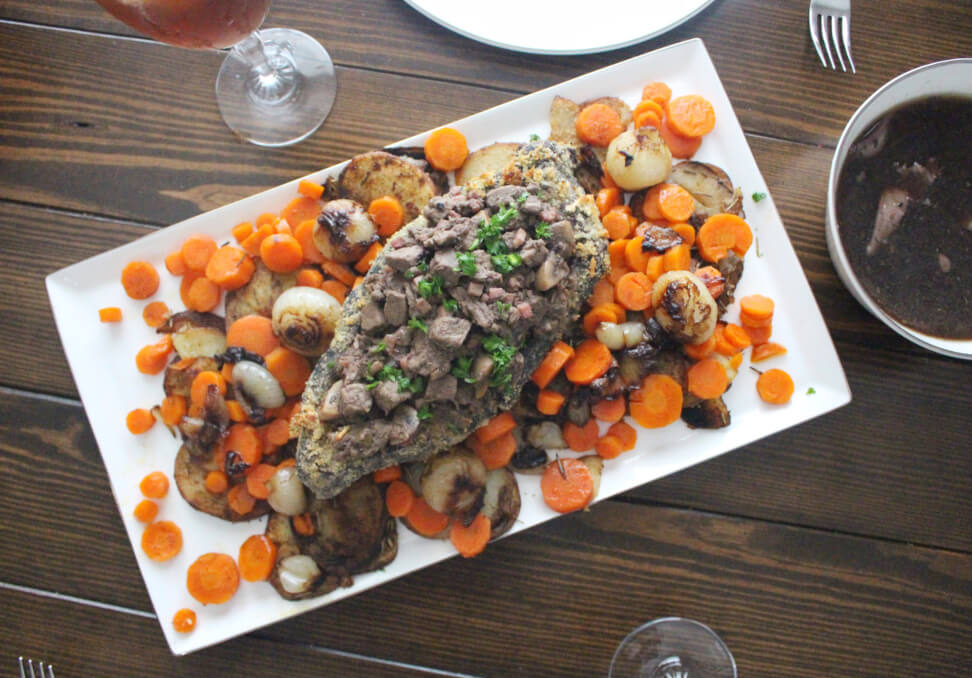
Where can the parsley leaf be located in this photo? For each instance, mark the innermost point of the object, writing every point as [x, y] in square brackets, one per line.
[503, 307]
[522, 198]
[467, 264]
[418, 324]
[461, 369]
[423, 266]
[379, 347]
[811, 390]
[425, 412]
[451, 305]
[502, 353]
[534, 138]
[430, 286]
[758, 196]
[395, 374]
[543, 230]
[505, 263]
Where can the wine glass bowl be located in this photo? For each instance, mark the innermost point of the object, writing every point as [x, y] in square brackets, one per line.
[672, 647]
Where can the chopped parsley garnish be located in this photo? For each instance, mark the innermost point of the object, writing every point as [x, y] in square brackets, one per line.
[505, 263]
[467, 263]
[379, 347]
[423, 266]
[395, 373]
[543, 230]
[503, 307]
[522, 199]
[451, 305]
[534, 138]
[758, 196]
[502, 353]
[418, 324]
[811, 390]
[430, 286]
[425, 412]
[460, 370]
[330, 364]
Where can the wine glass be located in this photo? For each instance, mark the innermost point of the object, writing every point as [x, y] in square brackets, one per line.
[672, 647]
[276, 85]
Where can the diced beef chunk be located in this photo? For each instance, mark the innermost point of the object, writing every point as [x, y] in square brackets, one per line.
[437, 208]
[484, 269]
[404, 258]
[533, 253]
[441, 388]
[426, 358]
[352, 365]
[388, 396]
[355, 400]
[371, 435]
[449, 331]
[514, 240]
[372, 317]
[503, 196]
[562, 237]
[396, 307]
[532, 205]
[475, 289]
[444, 264]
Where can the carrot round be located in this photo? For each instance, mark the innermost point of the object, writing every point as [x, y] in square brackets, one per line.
[757, 306]
[254, 333]
[655, 267]
[311, 189]
[549, 402]
[257, 478]
[202, 295]
[162, 540]
[139, 420]
[146, 511]
[140, 279]
[471, 540]
[607, 199]
[678, 258]
[155, 313]
[749, 321]
[281, 253]
[657, 403]
[446, 149]
[196, 251]
[675, 203]
[213, 578]
[597, 315]
[336, 289]
[154, 485]
[679, 146]
[702, 350]
[758, 335]
[707, 379]
[646, 118]
[713, 279]
[691, 115]
[216, 482]
[567, 485]
[304, 233]
[426, 520]
[499, 425]
[603, 293]
[173, 409]
[581, 438]
[184, 620]
[289, 368]
[387, 474]
[304, 524]
[309, 277]
[201, 383]
[241, 231]
[277, 432]
[616, 253]
[111, 314]
[635, 255]
[721, 233]
[775, 386]
[399, 498]
[649, 105]
[551, 364]
[230, 267]
[245, 440]
[175, 264]
[300, 209]
[625, 433]
[591, 360]
[387, 213]
[258, 554]
[766, 350]
[609, 409]
[368, 258]
[152, 359]
[609, 446]
[634, 291]
[240, 500]
[737, 336]
[618, 223]
[497, 453]
[597, 124]
[658, 92]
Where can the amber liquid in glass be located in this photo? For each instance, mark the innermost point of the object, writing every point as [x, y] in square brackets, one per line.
[198, 24]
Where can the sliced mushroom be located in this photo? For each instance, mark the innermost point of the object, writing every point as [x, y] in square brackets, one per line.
[344, 230]
[551, 271]
[304, 319]
[684, 307]
[330, 407]
[454, 482]
[501, 501]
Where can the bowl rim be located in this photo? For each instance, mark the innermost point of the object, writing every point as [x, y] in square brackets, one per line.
[955, 348]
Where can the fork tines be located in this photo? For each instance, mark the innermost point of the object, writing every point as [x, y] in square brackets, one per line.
[27, 669]
[830, 32]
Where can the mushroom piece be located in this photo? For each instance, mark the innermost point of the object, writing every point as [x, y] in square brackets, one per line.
[330, 407]
[637, 159]
[501, 501]
[684, 307]
[551, 271]
[344, 230]
[454, 482]
[304, 319]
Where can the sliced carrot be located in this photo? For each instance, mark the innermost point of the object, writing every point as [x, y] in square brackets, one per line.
[603, 293]
[155, 485]
[618, 222]
[749, 321]
[152, 359]
[230, 267]
[675, 203]
[155, 313]
[634, 291]
[626, 433]
[649, 206]
[281, 253]
[339, 272]
[253, 241]
[655, 267]
[184, 620]
[607, 181]
[470, 540]
[636, 256]
[289, 368]
[309, 277]
[213, 578]
[426, 520]
[549, 402]
[388, 474]
[607, 199]
[686, 232]
[203, 295]
[245, 440]
[722, 345]
[311, 189]
[713, 279]
[609, 446]
[597, 315]
[304, 524]
[201, 383]
[368, 258]
[336, 289]
[737, 336]
[678, 258]
[257, 478]
[775, 386]
[254, 333]
[597, 124]
[649, 105]
[175, 264]
[499, 425]
[757, 307]
[111, 314]
[736, 360]
[591, 360]
[216, 482]
[162, 540]
[258, 554]
[766, 351]
[616, 253]
[721, 233]
[701, 350]
[551, 364]
[267, 219]
[681, 147]
[567, 485]
[609, 409]
[173, 409]
[139, 420]
[707, 379]
[304, 233]
[647, 119]
[691, 115]
[399, 498]
[657, 403]
[759, 335]
[496, 453]
[581, 438]
[446, 149]
[146, 511]
[388, 214]
[241, 231]
[240, 500]
[140, 279]
[301, 209]
[618, 272]
[277, 432]
[196, 251]
[658, 92]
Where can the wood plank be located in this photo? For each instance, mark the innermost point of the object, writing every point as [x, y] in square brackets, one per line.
[81, 640]
[770, 93]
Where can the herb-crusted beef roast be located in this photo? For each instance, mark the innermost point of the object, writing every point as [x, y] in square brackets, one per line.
[452, 319]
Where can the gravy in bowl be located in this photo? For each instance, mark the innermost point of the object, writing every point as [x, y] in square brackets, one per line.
[904, 213]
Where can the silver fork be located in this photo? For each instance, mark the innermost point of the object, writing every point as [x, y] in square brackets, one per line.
[27, 669]
[830, 22]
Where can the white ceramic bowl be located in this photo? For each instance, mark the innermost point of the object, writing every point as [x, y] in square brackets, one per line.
[952, 77]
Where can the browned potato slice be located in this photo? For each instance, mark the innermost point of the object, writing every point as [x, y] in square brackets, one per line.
[196, 335]
[621, 108]
[563, 121]
[190, 477]
[258, 295]
[372, 175]
[501, 503]
[486, 160]
[595, 465]
[711, 188]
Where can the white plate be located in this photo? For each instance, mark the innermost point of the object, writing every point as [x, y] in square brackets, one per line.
[101, 356]
[554, 27]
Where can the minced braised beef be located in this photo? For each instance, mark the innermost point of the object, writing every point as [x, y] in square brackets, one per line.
[450, 310]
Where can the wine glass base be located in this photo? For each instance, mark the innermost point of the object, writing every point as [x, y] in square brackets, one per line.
[672, 648]
[284, 105]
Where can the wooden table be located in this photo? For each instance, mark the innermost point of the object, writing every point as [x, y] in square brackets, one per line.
[840, 547]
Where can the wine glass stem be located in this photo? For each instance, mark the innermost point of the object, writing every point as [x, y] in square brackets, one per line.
[272, 78]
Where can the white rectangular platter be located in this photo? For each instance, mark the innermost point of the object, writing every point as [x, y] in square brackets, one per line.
[110, 386]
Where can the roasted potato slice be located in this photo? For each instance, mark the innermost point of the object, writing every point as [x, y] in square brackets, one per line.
[486, 160]
[190, 477]
[179, 375]
[257, 296]
[711, 188]
[501, 502]
[563, 121]
[621, 108]
[196, 335]
[372, 175]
